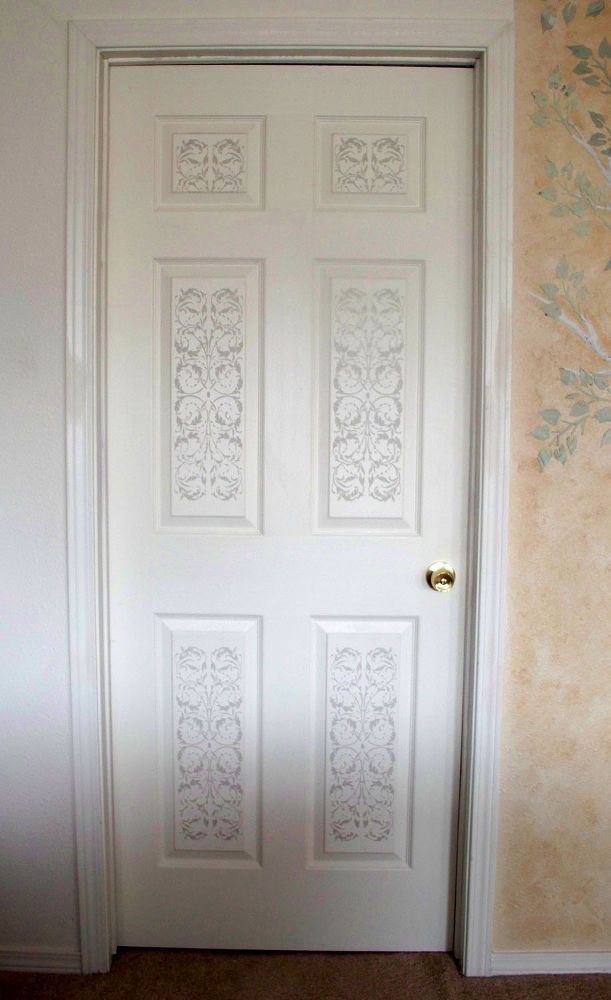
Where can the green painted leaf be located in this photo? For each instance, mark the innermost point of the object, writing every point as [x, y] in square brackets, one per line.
[551, 169]
[607, 151]
[549, 193]
[592, 81]
[562, 268]
[580, 408]
[583, 228]
[604, 49]
[597, 139]
[595, 8]
[542, 99]
[599, 120]
[582, 292]
[560, 454]
[567, 170]
[581, 51]
[540, 118]
[601, 381]
[585, 378]
[608, 266]
[543, 458]
[548, 18]
[582, 68]
[550, 289]
[552, 310]
[568, 12]
[577, 277]
[567, 376]
[555, 79]
[606, 438]
[603, 415]
[578, 208]
[571, 444]
[541, 433]
[551, 416]
[559, 211]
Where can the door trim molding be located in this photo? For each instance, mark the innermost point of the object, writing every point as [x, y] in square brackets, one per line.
[94, 46]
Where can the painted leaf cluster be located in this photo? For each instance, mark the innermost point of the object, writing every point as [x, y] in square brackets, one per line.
[573, 194]
[587, 406]
[565, 11]
[593, 65]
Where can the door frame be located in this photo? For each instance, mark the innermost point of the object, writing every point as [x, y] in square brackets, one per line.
[96, 46]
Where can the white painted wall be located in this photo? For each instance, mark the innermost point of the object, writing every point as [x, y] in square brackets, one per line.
[38, 901]
[38, 904]
[83, 9]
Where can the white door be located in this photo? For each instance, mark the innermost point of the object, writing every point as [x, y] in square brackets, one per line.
[289, 288]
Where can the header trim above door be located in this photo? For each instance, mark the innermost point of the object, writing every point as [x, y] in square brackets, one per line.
[95, 46]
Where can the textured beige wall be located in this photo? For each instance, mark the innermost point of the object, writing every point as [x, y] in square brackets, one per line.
[555, 819]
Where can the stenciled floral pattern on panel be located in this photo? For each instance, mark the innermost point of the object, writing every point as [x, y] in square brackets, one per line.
[208, 362]
[361, 745]
[208, 706]
[209, 163]
[572, 107]
[367, 371]
[369, 164]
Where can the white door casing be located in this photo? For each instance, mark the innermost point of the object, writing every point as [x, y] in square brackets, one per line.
[488, 46]
[286, 690]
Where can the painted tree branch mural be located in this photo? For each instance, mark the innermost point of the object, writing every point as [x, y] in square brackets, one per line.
[564, 300]
[577, 188]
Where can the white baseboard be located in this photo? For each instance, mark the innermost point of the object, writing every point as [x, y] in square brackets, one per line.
[530, 963]
[39, 960]
[502, 963]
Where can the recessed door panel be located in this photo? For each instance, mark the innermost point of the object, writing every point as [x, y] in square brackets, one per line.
[210, 753]
[364, 677]
[369, 396]
[213, 163]
[374, 164]
[209, 388]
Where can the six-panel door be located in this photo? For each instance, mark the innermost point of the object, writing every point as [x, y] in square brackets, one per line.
[288, 400]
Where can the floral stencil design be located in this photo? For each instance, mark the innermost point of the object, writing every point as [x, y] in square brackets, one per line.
[208, 729]
[369, 164]
[208, 359]
[209, 164]
[367, 369]
[361, 744]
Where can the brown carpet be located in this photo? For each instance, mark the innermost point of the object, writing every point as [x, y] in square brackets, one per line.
[201, 975]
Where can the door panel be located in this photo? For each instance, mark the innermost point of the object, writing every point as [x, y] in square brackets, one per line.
[208, 395]
[209, 684]
[363, 741]
[289, 289]
[369, 386]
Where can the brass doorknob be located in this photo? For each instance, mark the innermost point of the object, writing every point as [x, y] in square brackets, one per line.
[440, 576]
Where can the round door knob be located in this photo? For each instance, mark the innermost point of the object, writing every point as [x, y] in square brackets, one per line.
[440, 576]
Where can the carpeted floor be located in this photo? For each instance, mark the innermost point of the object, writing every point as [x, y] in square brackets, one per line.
[140, 974]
